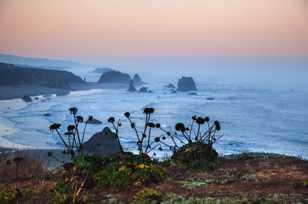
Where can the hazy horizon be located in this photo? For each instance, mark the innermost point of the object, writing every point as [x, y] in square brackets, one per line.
[104, 32]
[263, 41]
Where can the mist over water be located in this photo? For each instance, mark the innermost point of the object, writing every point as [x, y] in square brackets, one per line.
[261, 108]
[276, 74]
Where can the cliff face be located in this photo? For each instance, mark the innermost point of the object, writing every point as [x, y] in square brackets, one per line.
[115, 77]
[12, 75]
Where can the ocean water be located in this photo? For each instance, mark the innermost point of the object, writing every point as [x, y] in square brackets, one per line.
[252, 120]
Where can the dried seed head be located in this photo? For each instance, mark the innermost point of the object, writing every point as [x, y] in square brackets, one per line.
[200, 121]
[180, 127]
[71, 128]
[156, 139]
[217, 125]
[79, 119]
[151, 125]
[111, 120]
[55, 126]
[127, 114]
[73, 110]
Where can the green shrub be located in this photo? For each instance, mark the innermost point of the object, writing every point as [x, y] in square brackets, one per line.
[7, 197]
[114, 171]
[192, 184]
[279, 199]
[148, 196]
[123, 175]
[67, 193]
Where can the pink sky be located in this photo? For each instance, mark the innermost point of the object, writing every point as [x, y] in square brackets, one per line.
[93, 30]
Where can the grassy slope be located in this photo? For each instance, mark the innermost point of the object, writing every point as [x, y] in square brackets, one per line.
[246, 176]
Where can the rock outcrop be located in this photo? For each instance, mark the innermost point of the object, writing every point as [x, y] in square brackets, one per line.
[104, 143]
[143, 90]
[12, 75]
[186, 84]
[131, 87]
[173, 91]
[26, 99]
[94, 121]
[137, 80]
[115, 77]
[170, 86]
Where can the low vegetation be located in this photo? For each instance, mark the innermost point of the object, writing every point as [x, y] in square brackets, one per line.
[193, 174]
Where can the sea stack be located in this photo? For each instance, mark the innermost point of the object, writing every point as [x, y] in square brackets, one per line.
[137, 80]
[115, 77]
[169, 86]
[143, 90]
[186, 84]
[131, 87]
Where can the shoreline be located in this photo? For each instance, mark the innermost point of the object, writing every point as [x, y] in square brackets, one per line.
[17, 92]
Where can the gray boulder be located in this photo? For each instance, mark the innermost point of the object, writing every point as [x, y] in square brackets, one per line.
[170, 86]
[94, 121]
[26, 99]
[186, 84]
[104, 143]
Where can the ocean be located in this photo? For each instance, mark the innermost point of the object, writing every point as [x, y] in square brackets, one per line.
[252, 119]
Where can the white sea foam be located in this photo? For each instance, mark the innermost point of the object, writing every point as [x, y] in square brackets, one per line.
[252, 119]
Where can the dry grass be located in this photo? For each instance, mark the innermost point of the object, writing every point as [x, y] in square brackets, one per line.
[17, 166]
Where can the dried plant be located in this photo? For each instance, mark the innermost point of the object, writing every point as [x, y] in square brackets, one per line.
[201, 130]
[144, 136]
[73, 138]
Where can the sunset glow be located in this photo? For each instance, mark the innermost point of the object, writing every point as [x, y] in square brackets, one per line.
[92, 30]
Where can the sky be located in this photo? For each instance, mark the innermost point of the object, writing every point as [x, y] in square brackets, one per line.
[98, 31]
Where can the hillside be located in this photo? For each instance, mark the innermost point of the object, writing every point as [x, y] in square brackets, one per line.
[13, 75]
[37, 62]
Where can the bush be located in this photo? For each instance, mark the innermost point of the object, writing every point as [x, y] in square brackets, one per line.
[8, 196]
[196, 156]
[73, 138]
[116, 171]
[125, 173]
[148, 196]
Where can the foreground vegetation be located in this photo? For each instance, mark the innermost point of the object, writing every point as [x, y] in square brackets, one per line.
[193, 174]
[245, 178]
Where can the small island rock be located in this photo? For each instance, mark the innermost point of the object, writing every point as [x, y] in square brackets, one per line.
[131, 87]
[115, 77]
[143, 90]
[170, 86]
[137, 80]
[26, 99]
[186, 84]
[94, 121]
